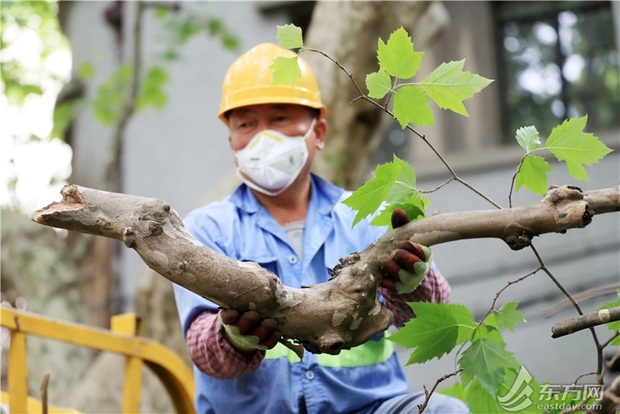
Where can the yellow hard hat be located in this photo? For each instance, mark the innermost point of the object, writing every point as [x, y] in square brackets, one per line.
[248, 82]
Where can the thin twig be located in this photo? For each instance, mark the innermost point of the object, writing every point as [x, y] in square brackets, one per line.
[512, 181]
[497, 294]
[608, 366]
[584, 375]
[607, 342]
[559, 285]
[409, 127]
[448, 181]
[422, 406]
[588, 320]
[111, 178]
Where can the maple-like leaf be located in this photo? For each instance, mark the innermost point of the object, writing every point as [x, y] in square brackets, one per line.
[285, 71]
[449, 86]
[435, 330]
[397, 57]
[568, 142]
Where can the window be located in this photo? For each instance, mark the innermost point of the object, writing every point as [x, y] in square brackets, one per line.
[557, 60]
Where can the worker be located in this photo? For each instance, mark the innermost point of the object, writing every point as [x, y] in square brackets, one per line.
[294, 224]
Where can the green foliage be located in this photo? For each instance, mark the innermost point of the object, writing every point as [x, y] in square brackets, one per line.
[397, 57]
[487, 361]
[568, 142]
[488, 369]
[520, 397]
[410, 107]
[436, 330]
[18, 20]
[152, 91]
[508, 316]
[532, 174]
[392, 186]
[289, 36]
[613, 326]
[180, 26]
[286, 71]
[448, 85]
[110, 97]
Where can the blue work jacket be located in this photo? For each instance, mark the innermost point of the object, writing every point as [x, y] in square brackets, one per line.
[353, 381]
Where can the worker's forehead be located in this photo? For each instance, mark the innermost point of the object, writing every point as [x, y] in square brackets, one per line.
[266, 108]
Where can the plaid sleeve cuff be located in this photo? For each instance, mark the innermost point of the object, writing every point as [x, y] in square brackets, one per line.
[434, 288]
[211, 352]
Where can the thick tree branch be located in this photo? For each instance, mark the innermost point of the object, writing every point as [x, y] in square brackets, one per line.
[339, 314]
[588, 320]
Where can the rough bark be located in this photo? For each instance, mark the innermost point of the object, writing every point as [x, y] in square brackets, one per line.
[348, 32]
[338, 314]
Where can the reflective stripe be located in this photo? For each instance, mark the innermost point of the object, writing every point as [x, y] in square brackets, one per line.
[369, 353]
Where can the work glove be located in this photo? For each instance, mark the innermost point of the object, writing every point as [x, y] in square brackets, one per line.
[409, 265]
[248, 331]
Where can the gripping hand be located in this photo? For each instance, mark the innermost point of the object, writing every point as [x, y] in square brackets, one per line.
[409, 265]
[248, 331]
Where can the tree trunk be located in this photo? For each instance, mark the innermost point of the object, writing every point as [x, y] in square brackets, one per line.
[348, 32]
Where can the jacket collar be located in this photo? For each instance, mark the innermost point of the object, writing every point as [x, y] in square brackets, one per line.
[323, 197]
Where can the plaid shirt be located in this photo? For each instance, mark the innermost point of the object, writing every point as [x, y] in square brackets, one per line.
[214, 355]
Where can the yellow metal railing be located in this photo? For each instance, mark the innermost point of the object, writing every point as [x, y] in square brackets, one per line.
[174, 374]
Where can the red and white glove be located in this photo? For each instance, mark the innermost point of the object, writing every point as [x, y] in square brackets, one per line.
[248, 331]
[410, 264]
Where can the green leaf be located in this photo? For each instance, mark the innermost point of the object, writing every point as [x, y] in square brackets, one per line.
[404, 185]
[285, 71]
[289, 36]
[489, 330]
[519, 392]
[397, 57]
[532, 174]
[508, 316]
[411, 106]
[393, 182]
[487, 360]
[435, 330]
[449, 86]
[479, 400]
[86, 70]
[152, 88]
[111, 95]
[63, 116]
[515, 395]
[568, 142]
[368, 198]
[457, 390]
[413, 206]
[528, 138]
[379, 84]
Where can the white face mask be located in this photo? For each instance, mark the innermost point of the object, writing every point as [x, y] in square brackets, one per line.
[271, 161]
